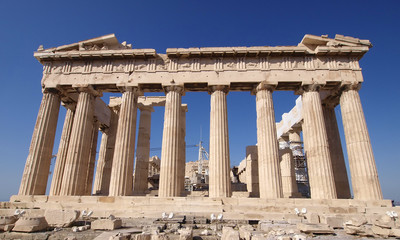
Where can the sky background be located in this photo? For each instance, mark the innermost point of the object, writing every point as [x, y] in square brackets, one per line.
[24, 25]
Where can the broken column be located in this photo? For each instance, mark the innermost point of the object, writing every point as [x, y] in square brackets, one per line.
[37, 167]
[364, 175]
[219, 163]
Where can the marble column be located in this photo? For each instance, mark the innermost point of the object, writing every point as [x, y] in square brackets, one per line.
[336, 152]
[289, 184]
[322, 185]
[37, 167]
[92, 159]
[143, 151]
[219, 161]
[106, 153]
[168, 186]
[121, 181]
[364, 175]
[74, 178]
[270, 182]
[61, 159]
[295, 140]
[182, 149]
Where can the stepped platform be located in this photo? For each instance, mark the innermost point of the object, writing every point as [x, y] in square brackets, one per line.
[235, 208]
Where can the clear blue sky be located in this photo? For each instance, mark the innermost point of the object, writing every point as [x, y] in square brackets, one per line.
[24, 25]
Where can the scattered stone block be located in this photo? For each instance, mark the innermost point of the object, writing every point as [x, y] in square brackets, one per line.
[334, 222]
[120, 237]
[27, 224]
[315, 228]
[284, 238]
[245, 232]
[299, 237]
[61, 218]
[185, 234]
[356, 222]
[8, 227]
[159, 236]
[228, 233]
[395, 232]
[385, 222]
[312, 218]
[143, 236]
[384, 232]
[106, 224]
[205, 232]
[5, 220]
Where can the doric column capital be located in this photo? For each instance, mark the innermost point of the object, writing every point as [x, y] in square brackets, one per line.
[50, 90]
[264, 86]
[174, 88]
[351, 86]
[87, 89]
[69, 105]
[223, 88]
[135, 90]
[143, 107]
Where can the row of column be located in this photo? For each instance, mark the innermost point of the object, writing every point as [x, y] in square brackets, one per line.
[75, 160]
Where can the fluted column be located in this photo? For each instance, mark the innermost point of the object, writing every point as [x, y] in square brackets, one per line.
[289, 185]
[364, 175]
[322, 185]
[182, 149]
[219, 161]
[123, 161]
[267, 143]
[143, 151]
[106, 154]
[36, 172]
[92, 158]
[61, 159]
[168, 186]
[74, 178]
[336, 152]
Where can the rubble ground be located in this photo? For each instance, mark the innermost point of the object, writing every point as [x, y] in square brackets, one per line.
[182, 227]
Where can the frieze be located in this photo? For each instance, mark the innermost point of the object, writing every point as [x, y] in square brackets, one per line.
[201, 64]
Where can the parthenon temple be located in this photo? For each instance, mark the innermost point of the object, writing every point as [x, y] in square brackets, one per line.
[324, 71]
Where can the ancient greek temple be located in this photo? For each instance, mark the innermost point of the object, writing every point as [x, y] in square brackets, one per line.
[324, 71]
